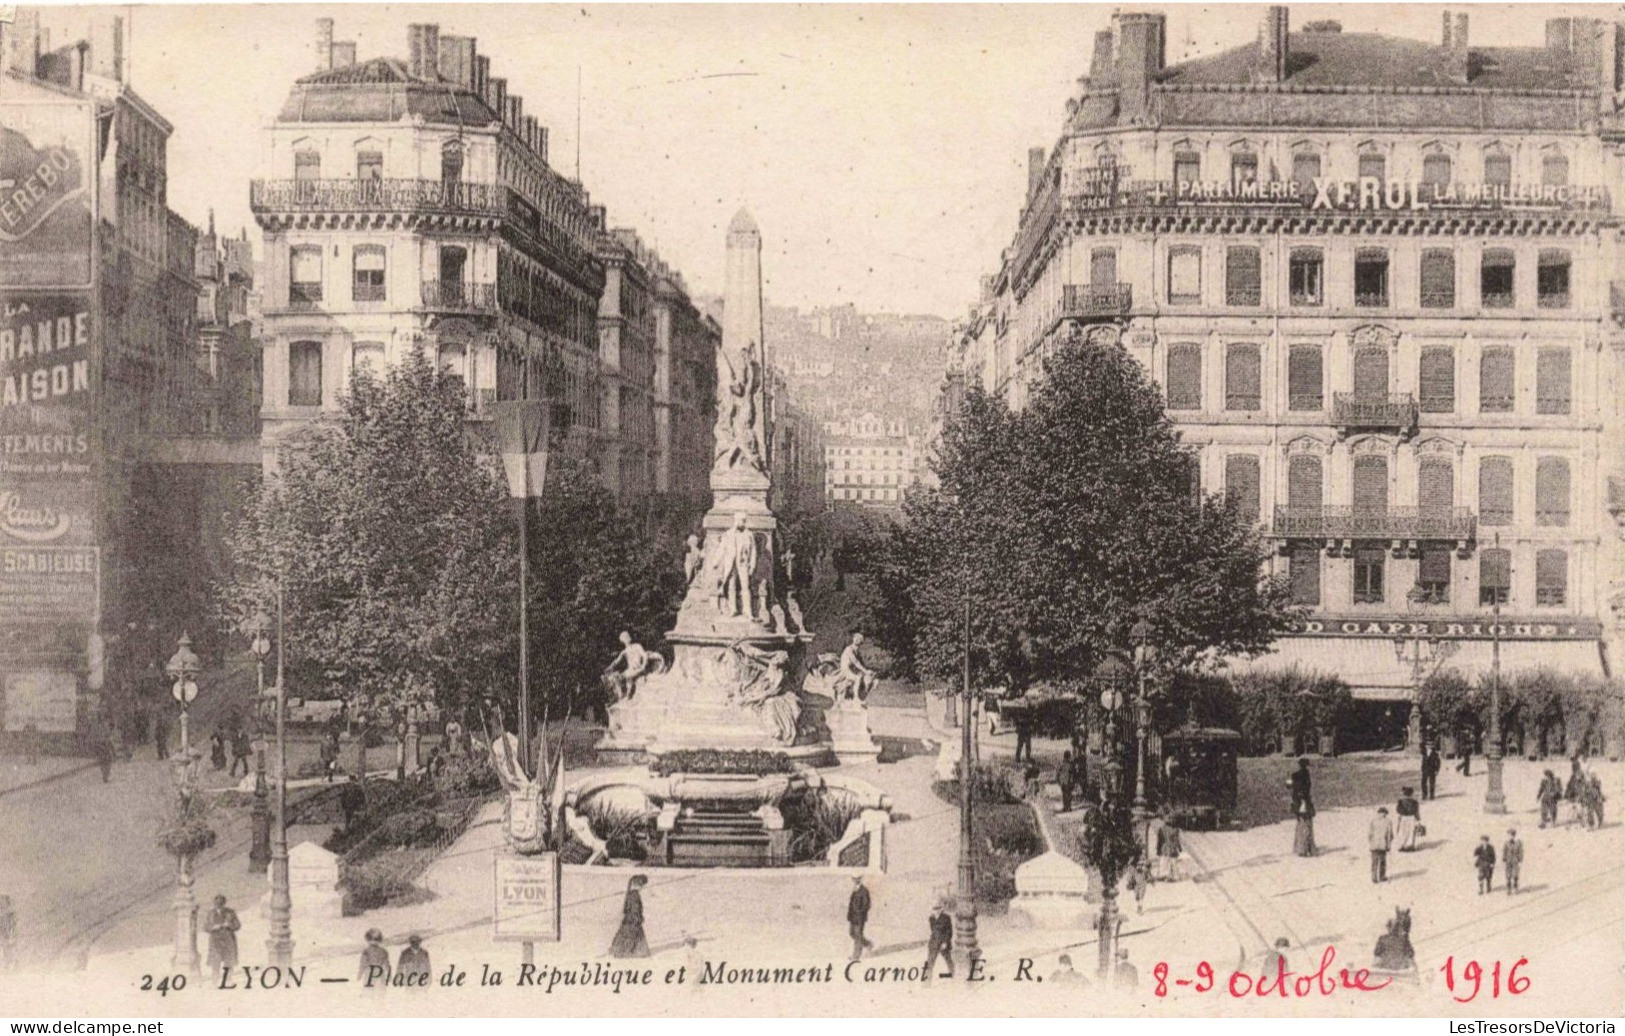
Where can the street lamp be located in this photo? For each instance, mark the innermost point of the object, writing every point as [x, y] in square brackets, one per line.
[183, 667]
[259, 854]
[1144, 654]
[1495, 800]
[965, 904]
[1424, 654]
[280, 942]
[1112, 672]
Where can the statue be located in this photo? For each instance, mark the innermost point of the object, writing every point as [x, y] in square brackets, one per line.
[854, 680]
[794, 608]
[738, 430]
[635, 663]
[735, 565]
[693, 561]
[761, 688]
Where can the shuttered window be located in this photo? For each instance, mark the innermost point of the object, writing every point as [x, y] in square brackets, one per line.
[1185, 377]
[1103, 268]
[1494, 576]
[1241, 276]
[1497, 278]
[1497, 380]
[1498, 169]
[1305, 276]
[1552, 492]
[1371, 277]
[1185, 276]
[307, 165]
[1305, 171]
[1551, 577]
[1371, 373]
[1303, 484]
[1305, 378]
[1243, 168]
[1437, 379]
[1304, 573]
[1495, 491]
[304, 276]
[1368, 575]
[1187, 167]
[1433, 575]
[1552, 382]
[367, 284]
[1194, 473]
[1438, 278]
[1554, 171]
[1436, 170]
[1241, 484]
[1370, 484]
[1552, 279]
[305, 374]
[1435, 485]
[1373, 166]
[1241, 378]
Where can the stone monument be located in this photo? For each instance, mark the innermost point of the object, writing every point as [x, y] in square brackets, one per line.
[735, 678]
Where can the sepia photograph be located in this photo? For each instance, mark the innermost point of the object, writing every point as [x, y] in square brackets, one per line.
[812, 510]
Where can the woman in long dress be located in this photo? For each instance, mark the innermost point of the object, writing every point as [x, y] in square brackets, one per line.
[629, 938]
[1409, 812]
[1303, 808]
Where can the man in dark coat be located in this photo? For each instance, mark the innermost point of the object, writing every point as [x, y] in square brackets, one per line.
[374, 968]
[857, 915]
[413, 965]
[241, 749]
[1063, 777]
[222, 925]
[1550, 794]
[1512, 860]
[940, 942]
[1484, 861]
[1024, 734]
[1430, 771]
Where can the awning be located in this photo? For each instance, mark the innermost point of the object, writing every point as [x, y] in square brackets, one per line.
[1475, 658]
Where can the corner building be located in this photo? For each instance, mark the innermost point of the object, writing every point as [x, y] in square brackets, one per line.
[1375, 278]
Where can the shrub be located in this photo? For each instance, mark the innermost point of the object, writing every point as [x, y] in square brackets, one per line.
[625, 831]
[994, 783]
[469, 775]
[1005, 839]
[816, 822]
[379, 881]
[413, 829]
[187, 832]
[710, 760]
[1270, 704]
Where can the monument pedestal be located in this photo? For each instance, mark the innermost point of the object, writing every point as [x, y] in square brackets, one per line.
[849, 734]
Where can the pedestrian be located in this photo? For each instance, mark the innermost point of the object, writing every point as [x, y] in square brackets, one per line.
[1512, 860]
[160, 734]
[1594, 798]
[1303, 808]
[1065, 974]
[217, 749]
[328, 756]
[1431, 764]
[1139, 877]
[241, 749]
[105, 751]
[8, 934]
[222, 925]
[1024, 734]
[1465, 766]
[939, 943]
[857, 915]
[629, 939]
[1409, 823]
[1379, 838]
[1031, 776]
[1550, 794]
[413, 965]
[454, 737]
[1127, 976]
[1063, 777]
[374, 968]
[1484, 860]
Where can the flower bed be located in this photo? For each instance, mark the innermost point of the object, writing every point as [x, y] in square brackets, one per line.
[715, 761]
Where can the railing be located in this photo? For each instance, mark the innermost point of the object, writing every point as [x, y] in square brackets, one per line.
[1498, 299]
[304, 295]
[458, 295]
[1553, 405]
[1302, 401]
[367, 293]
[1438, 404]
[1371, 299]
[1496, 404]
[1304, 298]
[1241, 296]
[1393, 410]
[1438, 300]
[1096, 300]
[372, 196]
[1375, 523]
[1554, 300]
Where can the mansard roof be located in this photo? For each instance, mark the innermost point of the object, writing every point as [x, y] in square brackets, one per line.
[382, 90]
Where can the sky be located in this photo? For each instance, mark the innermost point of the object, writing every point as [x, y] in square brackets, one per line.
[881, 148]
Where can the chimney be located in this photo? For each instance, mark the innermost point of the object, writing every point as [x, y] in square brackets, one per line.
[1100, 66]
[1446, 37]
[530, 132]
[457, 60]
[324, 44]
[1035, 170]
[344, 54]
[1459, 68]
[499, 97]
[482, 76]
[541, 142]
[431, 52]
[1141, 51]
[1272, 46]
[513, 114]
[107, 46]
[1596, 46]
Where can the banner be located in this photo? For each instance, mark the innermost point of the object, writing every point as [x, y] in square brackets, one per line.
[47, 166]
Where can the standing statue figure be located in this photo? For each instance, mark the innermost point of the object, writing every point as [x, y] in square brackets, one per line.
[693, 561]
[738, 430]
[761, 688]
[735, 568]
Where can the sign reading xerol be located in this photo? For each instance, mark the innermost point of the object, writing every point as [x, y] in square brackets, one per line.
[46, 193]
[527, 898]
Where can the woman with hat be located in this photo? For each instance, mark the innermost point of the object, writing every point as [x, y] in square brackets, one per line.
[1303, 808]
[374, 967]
[1409, 812]
[629, 938]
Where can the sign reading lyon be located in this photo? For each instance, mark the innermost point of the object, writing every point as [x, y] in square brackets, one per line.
[527, 898]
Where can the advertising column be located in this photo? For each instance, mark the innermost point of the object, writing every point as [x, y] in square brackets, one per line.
[49, 557]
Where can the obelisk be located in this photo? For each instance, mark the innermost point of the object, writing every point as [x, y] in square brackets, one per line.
[740, 476]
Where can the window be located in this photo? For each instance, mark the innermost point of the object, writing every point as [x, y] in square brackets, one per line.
[453, 363]
[1184, 276]
[304, 276]
[1552, 279]
[1370, 485]
[1304, 575]
[1497, 377]
[1304, 269]
[1305, 171]
[451, 164]
[1305, 380]
[1433, 575]
[1241, 378]
[1243, 168]
[1103, 268]
[1187, 167]
[1551, 577]
[367, 356]
[369, 165]
[305, 374]
[1494, 576]
[1552, 377]
[307, 165]
[1368, 565]
[1437, 379]
[1436, 170]
[1371, 277]
[369, 274]
[1554, 170]
[1498, 170]
[1241, 484]
[1438, 278]
[1552, 492]
[1303, 484]
[1495, 491]
[1373, 166]
[1435, 486]
[1241, 276]
[1495, 278]
[1371, 373]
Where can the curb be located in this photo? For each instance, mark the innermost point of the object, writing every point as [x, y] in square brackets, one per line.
[63, 775]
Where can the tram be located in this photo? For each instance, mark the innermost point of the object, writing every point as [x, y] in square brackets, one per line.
[1196, 771]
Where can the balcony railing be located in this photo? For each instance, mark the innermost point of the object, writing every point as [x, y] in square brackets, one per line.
[1376, 523]
[1096, 300]
[1438, 300]
[372, 196]
[1499, 300]
[1305, 298]
[1396, 410]
[1554, 300]
[458, 295]
[1304, 401]
[1241, 296]
[1371, 299]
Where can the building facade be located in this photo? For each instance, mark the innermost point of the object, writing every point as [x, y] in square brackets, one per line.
[870, 460]
[626, 342]
[685, 397]
[1376, 278]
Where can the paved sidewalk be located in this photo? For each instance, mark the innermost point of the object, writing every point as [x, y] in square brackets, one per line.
[16, 774]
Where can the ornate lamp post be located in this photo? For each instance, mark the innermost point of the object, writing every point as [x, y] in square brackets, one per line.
[1495, 800]
[280, 942]
[1144, 654]
[1112, 673]
[965, 906]
[183, 667]
[259, 855]
[1424, 654]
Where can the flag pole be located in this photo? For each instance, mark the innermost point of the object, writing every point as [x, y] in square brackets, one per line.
[524, 616]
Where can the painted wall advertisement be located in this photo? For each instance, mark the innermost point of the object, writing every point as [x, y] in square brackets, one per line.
[46, 194]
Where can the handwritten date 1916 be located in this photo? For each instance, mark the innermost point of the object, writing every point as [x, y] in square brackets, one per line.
[1279, 982]
[1473, 972]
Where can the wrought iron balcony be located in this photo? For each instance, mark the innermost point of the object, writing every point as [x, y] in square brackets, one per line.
[1554, 300]
[1376, 523]
[1499, 299]
[1393, 410]
[1438, 300]
[362, 195]
[1094, 301]
[459, 296]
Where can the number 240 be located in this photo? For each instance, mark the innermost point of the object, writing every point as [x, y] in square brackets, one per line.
[1475, 973]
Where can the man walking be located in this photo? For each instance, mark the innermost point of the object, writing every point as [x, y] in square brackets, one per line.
[1063, 777]
[413, 965]
[241, 749]
[1379, 838]
[1024, 734]
[1512, 860]
[857, 915]
[374, 969]
[1430, 771]
[940, 943]
[160, 734]
[1550, 794]
[1484, 860]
